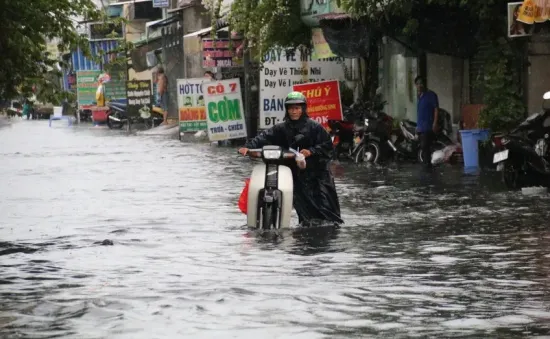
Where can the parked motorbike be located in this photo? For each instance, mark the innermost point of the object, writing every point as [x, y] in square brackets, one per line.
[118, 117]
[271, 188]
[372, 140]
[523, 157]
[408, 144]
[342, 134]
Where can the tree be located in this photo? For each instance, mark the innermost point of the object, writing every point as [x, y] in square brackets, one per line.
[27, 27]
[377, 10]
[486, 24]
[267, 23]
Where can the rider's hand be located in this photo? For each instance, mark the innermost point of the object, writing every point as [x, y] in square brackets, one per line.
[306, 152]
[301, 161]
[243, 151]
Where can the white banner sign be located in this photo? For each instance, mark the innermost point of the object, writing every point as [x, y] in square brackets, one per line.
[192, 112]
[224, 110]
[281, 71]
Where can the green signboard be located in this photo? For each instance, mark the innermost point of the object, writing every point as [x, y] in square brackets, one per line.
[224, 105]
[86, 86]
[116, 88]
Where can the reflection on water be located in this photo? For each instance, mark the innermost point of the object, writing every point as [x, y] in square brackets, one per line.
[104, 235]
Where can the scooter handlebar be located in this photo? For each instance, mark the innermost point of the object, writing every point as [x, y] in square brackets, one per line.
[257, 153]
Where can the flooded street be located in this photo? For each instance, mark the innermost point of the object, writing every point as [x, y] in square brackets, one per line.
[421, 254]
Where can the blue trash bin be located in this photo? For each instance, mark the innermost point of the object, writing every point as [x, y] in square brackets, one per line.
[470, 147]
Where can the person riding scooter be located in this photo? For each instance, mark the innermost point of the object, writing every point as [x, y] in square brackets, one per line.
[315, 196]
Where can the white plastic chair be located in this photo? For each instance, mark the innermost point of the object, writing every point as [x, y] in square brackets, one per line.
[58, 115]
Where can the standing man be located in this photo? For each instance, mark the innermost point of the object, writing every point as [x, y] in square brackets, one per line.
[162, 83]
[427, 111]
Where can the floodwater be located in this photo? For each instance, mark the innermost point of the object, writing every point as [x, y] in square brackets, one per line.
[438, 254]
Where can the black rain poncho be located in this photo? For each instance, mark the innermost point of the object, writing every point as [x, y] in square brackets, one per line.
[315, 196]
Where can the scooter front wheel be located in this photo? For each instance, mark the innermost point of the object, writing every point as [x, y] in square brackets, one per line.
[267, 216]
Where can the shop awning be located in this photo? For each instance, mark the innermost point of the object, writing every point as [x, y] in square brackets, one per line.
[163, 22]
[160, 23]
[199, 32]
[221, 25]
[139, 53]
[174, 10]
[350, 37]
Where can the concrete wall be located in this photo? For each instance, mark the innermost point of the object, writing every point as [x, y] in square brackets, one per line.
[397, 80]
[538, 74]
[145, 75]
[445, 76]
[135, 31]
[538, 81]
[194, 19]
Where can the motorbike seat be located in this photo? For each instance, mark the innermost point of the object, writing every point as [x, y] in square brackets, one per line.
[410, 125]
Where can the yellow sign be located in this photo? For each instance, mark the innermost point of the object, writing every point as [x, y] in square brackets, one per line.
[320, 45]
[534, 11]
[526, 12]
[519, 14]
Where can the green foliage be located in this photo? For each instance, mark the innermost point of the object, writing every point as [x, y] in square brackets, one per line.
[391, 12]
[26, 29]
[49, 88]
[501, 92]
[269, 23]
[375, 10]
[502, 95]
[119, 57]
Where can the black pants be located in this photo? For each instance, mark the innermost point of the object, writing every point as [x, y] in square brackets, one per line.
[315, 198]
[426, 140]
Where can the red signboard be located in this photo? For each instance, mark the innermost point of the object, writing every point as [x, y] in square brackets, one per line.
[323, 100]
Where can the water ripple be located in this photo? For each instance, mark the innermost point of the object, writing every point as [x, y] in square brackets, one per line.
[103, 234]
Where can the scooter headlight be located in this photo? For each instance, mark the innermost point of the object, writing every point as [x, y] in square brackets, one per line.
[271, 154]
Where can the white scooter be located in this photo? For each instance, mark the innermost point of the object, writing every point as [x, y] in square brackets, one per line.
[271, 188]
